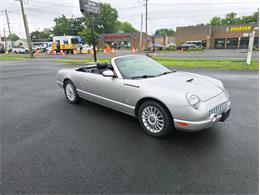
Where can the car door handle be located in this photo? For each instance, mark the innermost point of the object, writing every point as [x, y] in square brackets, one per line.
[86, 79]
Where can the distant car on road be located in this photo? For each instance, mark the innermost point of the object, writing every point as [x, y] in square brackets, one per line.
[160, 98]
[20, 50]
[185, 46]
[157, 46]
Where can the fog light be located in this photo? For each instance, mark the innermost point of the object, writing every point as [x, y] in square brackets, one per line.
[213, 117]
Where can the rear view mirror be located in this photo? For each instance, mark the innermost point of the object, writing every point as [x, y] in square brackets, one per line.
[108, 73]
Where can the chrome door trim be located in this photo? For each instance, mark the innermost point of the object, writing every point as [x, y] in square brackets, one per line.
[107, 99]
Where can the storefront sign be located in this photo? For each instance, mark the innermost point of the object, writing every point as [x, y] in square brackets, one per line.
[117, 36]
[88, 6]
[240, 28]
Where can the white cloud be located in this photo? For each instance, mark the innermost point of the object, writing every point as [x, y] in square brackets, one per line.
[163, 13]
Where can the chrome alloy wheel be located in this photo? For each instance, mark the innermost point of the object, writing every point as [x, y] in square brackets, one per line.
[70, 93]
[152, 119]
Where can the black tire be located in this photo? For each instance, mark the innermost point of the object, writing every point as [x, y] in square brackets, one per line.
[76, 98]
[168, 125]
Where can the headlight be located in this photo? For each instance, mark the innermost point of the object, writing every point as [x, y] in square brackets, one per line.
[193, 100]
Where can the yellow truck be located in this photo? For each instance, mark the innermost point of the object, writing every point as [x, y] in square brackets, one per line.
[67, 44]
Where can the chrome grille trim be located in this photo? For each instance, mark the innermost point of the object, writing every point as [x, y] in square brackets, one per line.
[219, 109]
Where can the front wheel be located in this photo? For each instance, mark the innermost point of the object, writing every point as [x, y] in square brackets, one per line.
[155, 119]
[71, 93]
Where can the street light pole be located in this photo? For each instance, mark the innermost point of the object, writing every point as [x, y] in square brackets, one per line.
[26, 29]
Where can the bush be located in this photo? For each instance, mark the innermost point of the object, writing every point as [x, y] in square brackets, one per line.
[171, 48]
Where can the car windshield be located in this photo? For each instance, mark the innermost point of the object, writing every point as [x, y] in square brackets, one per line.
[139, 66]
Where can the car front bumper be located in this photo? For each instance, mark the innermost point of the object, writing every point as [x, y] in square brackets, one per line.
[200, 125]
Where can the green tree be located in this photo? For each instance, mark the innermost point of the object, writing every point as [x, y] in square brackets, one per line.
[165, 32]
[125, 27]
[67, 26]
[13, 37]
[87, 36]
[41, 35]
[231, 18]
[106, 21]
[216, 21]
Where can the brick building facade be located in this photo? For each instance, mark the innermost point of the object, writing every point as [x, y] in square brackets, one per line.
[218, 37]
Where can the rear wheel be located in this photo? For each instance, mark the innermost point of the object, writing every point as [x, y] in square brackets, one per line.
[71, 93]
[155, 119]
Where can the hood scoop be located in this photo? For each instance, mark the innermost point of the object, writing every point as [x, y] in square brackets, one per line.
[190, 80]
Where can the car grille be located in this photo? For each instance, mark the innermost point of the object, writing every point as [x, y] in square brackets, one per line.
[219, 109]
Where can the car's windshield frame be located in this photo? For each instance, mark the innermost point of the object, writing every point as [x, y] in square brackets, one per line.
[158, 71]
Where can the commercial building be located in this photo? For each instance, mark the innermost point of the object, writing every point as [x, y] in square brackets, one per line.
[123, 40]
[218, 37]
[164, 40]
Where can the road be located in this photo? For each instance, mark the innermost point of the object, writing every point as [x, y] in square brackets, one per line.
[50, 146]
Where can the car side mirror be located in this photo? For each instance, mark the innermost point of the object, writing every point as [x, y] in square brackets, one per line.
[108, 73]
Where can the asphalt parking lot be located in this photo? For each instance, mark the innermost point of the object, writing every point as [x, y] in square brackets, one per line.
[50, 146]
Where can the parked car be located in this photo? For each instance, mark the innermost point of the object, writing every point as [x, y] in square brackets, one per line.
[18, 50]
[185, 46]
[86, 48]
[160, 98]
[157, 46]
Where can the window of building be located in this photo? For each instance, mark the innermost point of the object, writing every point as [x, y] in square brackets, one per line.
[232, 43]
[244, 41]
[219, 43]
[204, 44]
[256, 42]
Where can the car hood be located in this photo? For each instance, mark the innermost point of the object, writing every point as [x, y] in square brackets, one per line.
[202, 86]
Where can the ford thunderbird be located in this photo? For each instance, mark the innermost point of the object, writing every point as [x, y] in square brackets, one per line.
[160, 98]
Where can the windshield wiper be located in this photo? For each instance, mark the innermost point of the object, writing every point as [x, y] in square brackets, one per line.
[142, 76]
[164, 73]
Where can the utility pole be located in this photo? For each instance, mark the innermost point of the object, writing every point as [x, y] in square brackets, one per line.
[8, 24]
[146, 16]
[141, 34]
[26, 29]
[5, 39]
[250, 47]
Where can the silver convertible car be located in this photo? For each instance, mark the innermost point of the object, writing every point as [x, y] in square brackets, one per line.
[161, 99]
